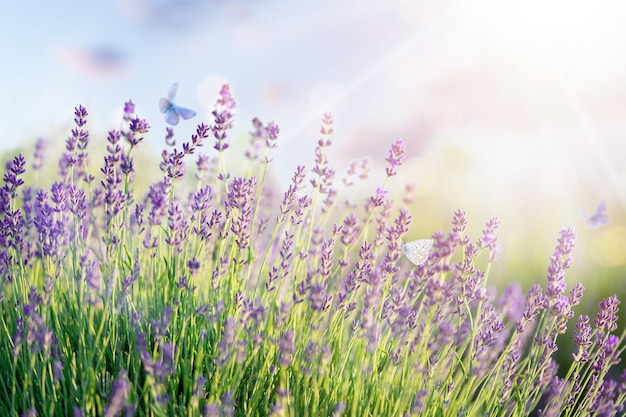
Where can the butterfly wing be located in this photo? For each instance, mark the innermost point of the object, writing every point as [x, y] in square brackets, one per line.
[171, 116]
[172, 112]
[164, 104]
[171, 94]
[598, 218]
[418, 250]
[185, 113]
[601, 208]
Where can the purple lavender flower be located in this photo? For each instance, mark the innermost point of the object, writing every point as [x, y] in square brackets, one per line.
[137, 128]
[92, 276]
[358, 169]
[227, 346]
[178, 226]
[126, 165]
[512, 302]
[262, 134]
[325, 174]
[202, 132]
[349, 230]
[339, 409]
[194, 265]
[286, 255]
[287, 346]
[31, 412]
[128, 280]
[203, 165]
[393, 236]
[291, 193]
[40, 147]
[606, 319]
[159, 327]
[163, 367]
[12, 221]
[211, 410]
[559, 262]
[369, 321]
[409, 190]
[228, 404]
[75, 153]
[553, 398]
[119, 395]
[129, 109]
[224, 113]
[157, 197]
[240, 197]
[32, 331]
[12, 180]
[379, 198]
[536, 302]
[395, 156]
[51, 223]
[169, 136]
[172, 165]
[77, 203]
[114, 196]
[303, 203]
[489, 239]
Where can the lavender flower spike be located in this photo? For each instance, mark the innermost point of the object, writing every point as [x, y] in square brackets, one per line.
[119, 395]
[224, 114]
[396, 153]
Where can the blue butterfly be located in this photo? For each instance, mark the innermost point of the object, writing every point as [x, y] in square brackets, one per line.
[172, 112]
[598, 218]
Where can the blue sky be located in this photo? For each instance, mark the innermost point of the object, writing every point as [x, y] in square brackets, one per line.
[504, 105]
[274, 54]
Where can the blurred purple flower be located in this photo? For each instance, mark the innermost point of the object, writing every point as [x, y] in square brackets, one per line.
[224, 114]
[40, 147]
[339, 409]
[582, 339]
[178, 226]
[119, 395]
[129, 110]
[324, 172]
[241, 197]
[33, 331]
[394, 158]
[262, 134]
[287, 346]
[159, 327]
[379, 198]
[489, 240]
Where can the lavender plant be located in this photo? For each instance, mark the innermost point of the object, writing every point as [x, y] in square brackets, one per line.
[216, 295]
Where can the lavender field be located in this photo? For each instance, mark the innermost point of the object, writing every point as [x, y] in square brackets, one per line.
[210, 293]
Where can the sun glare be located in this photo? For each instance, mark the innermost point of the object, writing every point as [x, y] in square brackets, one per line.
[571, 28]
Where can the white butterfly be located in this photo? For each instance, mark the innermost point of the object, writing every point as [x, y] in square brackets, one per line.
[173, 112]
[598, 218]
[418, 250]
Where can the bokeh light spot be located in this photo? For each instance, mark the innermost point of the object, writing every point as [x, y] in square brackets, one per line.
[608, 245]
